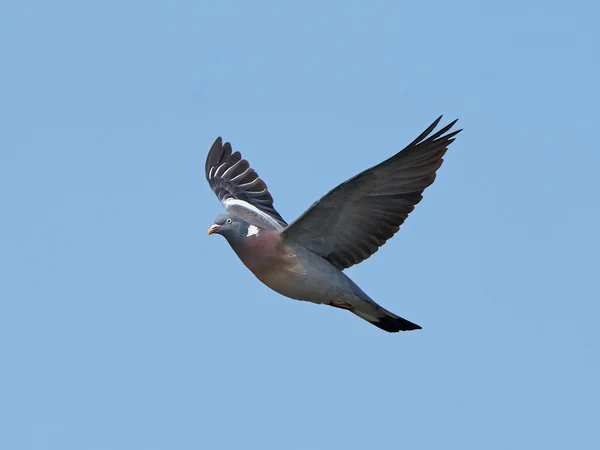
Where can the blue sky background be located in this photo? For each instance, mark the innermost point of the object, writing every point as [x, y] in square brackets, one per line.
[123, 325]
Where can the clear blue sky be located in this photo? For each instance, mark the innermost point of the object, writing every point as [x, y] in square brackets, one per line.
[124, 326]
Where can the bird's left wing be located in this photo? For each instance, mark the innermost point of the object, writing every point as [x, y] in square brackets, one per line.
[353, 220]
[239, 188]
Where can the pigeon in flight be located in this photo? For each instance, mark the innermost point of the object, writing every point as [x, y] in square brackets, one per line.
[305, 259]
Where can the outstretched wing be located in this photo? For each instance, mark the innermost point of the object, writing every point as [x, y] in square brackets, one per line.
[353, 220]
[239, 188]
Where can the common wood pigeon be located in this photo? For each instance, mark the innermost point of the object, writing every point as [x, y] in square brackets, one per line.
[305, 259]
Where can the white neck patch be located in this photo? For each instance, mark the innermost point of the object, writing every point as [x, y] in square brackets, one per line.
[252, 231]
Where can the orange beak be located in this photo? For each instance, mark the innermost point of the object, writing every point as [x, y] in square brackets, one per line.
[213, 228]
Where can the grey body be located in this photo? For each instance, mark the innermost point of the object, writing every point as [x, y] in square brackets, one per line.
[302, 275]
[305, 259]
[295, 272]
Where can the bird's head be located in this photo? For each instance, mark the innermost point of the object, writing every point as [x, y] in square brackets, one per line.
[231, 228]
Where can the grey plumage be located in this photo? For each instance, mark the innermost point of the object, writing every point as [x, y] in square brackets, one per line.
[353, 220]
[304, 260]
[233, 181]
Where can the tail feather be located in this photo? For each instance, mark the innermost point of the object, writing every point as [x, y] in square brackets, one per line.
[366, 308]
[384, 319]
[393, 325]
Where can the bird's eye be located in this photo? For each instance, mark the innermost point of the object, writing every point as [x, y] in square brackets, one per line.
[228, 221]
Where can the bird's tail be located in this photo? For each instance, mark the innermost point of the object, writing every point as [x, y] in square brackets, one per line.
[384, 319]
[366, 308]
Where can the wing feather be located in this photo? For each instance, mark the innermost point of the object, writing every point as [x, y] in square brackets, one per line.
[353, 220]
[239, 188]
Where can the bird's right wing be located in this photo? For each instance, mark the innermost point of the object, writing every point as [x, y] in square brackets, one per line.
[353, 220]
[239, 188]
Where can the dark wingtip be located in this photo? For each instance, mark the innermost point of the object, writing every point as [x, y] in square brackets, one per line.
[426, 133]
[213, 155]
[451, 124]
